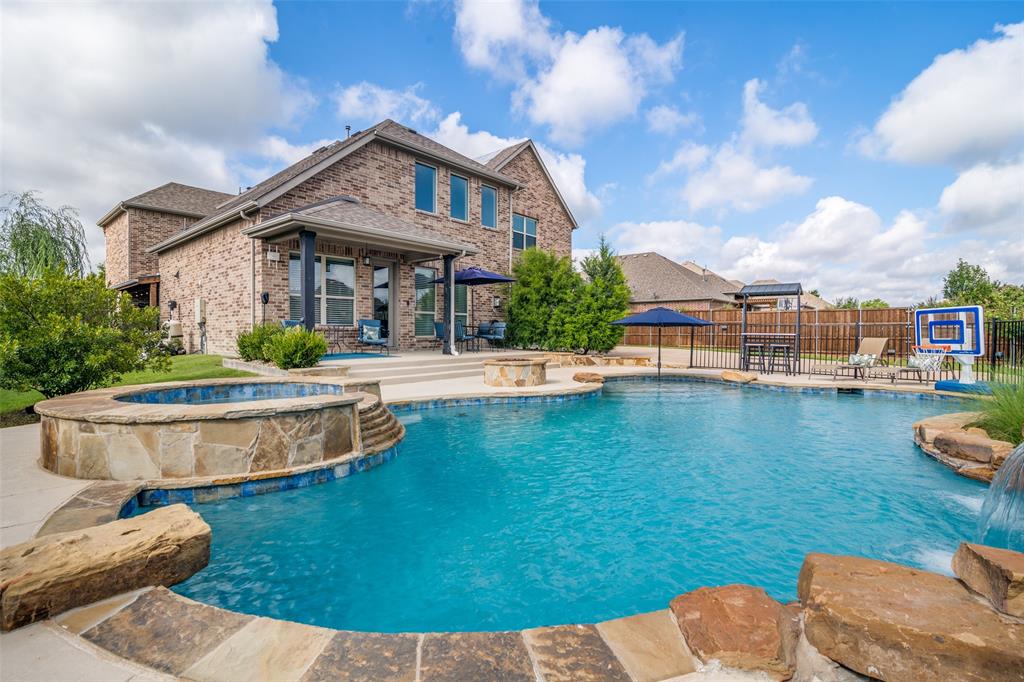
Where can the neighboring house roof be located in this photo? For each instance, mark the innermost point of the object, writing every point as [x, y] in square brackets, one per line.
[715, 280]
[500, 159]
[172, 197]
[347, 215]
[653, 277]
[386, 131]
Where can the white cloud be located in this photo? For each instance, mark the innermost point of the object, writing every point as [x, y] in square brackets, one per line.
[669, 120]
[573, 84]
[737, 174]
[372, 103]
[986, 198]
[842, 247]
[965, 107]
[734, 179]
[767, 127]
[114, 99]
[567, 169]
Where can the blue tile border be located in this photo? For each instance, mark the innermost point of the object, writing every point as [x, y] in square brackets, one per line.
[161, 497]
[419, 405]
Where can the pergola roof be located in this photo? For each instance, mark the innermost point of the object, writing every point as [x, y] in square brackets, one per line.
[775, 289]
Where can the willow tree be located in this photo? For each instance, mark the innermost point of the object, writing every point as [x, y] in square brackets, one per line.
[35, 238]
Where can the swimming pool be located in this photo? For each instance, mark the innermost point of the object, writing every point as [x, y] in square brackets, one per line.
[511, 516]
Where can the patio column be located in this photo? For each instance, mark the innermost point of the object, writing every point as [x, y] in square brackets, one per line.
[448, 347]
[307, 266]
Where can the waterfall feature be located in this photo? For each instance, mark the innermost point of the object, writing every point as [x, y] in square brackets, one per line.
[1002, 516]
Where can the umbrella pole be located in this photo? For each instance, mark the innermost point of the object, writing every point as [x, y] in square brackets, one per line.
[659, 352]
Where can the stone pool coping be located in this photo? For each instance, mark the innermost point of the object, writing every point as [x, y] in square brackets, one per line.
[102, 406]
[223, 645]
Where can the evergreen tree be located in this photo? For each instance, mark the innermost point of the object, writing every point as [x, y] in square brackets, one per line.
[542, 299]
[603, 299]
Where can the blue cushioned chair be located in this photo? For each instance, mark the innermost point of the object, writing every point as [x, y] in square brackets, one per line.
[369, 335]
[288, 324]
[461, 336]
[439, 332]
[495, 333]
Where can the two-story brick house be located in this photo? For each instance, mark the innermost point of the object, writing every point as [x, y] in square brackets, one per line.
[359, 229]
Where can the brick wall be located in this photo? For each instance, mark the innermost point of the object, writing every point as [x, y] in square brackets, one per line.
[217, 266]
[116, 261]
[129, 235]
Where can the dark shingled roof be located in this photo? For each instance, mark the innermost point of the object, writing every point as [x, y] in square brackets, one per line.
[175, 197]
[497, 160]
[346, 209]
[652, 277]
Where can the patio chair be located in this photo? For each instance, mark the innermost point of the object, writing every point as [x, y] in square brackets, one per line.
[439, 332]
[369, 335]
[493, 333]
[461, 336]
[925, 360]
[288, 324]
[868, 355]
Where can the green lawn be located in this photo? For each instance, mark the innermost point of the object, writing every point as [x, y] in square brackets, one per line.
[183, 368]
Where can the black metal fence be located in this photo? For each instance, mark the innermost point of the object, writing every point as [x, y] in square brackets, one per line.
[830, 336]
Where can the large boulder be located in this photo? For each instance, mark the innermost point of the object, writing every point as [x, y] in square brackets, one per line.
[733, 377]
[741, 626]
[51, 574]
[588, 378]
[892, 622]
[972, 446]
[996, 574]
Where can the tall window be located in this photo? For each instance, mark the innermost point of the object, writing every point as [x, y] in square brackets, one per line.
[462, 304]
[524, 232]
[334, 298]
[426, 301]
[459, 197]
[426, 185]
[488, 206]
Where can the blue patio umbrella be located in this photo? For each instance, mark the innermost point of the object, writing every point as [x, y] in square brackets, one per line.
[473, 276]
[662, 317]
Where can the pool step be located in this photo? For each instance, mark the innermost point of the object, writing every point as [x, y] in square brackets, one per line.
[378, 427]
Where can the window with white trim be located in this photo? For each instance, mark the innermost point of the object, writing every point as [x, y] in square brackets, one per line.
[426, 187]
[334, 299]
[459, 194]
[426, 301]
[488, 206]
[524, 232]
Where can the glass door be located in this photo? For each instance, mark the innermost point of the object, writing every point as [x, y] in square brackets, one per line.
[382, 298]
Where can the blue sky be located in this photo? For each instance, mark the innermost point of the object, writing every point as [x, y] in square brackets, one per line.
[858, 147]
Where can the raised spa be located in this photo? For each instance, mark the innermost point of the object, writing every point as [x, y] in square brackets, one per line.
[230, 393]
[203, 430]
[508, 516]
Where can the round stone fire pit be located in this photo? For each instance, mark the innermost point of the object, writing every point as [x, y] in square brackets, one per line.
[515, 372]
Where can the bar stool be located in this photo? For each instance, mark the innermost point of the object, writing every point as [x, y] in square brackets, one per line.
[780, 357]
[755, 356]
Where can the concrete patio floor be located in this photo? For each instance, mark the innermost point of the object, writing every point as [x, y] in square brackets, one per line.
[28, 494]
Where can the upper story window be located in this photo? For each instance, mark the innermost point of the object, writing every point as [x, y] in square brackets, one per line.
[488, 206]
[524, 232]
[426, 187]
[459, 197]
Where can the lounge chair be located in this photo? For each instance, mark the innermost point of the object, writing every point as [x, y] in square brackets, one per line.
[493, 333]
[369, 335]
[925, 360]
[868, 355]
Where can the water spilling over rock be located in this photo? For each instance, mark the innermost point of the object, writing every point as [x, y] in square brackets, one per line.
[1002, 516]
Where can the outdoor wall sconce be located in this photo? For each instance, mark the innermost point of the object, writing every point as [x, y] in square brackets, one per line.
[366, 260]
[496, 302]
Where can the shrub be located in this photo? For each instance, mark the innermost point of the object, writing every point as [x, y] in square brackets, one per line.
[60, 334]
[541, 302]
[296, 347]
[252, 345]
[1002, 416]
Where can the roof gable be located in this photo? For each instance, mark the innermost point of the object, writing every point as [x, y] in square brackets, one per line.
[172, 197]
[500, 160]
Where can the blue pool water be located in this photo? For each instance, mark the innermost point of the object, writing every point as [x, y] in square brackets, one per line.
[510, 516]
[231, 393]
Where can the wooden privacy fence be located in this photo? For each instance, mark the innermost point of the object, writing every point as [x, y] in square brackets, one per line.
[831, 336]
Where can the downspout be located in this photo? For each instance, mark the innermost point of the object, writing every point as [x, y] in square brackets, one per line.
[252, 274]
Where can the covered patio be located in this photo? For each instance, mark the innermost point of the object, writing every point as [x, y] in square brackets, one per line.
[384, 252]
